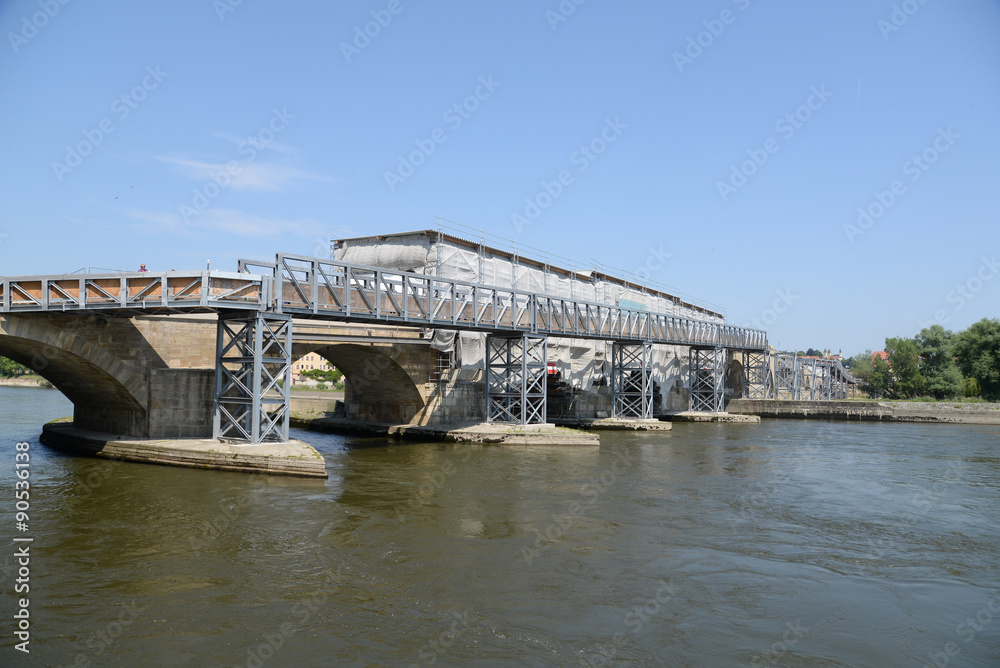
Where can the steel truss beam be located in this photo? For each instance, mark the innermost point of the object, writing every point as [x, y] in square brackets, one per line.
[516, 378]
[756, 374]
[252, 377]
[631, 380]
[708, 379]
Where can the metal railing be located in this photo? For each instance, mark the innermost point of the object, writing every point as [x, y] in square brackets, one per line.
[187, 291]
[331, 289]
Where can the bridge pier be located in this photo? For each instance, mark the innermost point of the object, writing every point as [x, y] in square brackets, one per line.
[631, 381]
[516, 367]
[757, 374]
[252, 377]
[708, 379]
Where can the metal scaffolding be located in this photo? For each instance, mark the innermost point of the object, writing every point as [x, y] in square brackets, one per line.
[252, 377]
[806, 379]
[708, 375]
[516, 378]
[757, 374]
[786, 377]
[631, 380]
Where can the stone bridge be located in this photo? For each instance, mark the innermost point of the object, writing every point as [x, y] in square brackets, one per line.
[152, 376]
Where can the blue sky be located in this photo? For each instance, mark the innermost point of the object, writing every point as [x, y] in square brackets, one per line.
[723, 148]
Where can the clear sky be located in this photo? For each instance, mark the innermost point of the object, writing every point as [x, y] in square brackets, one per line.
[724, 148]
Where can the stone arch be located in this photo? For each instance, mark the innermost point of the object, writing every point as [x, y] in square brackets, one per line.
[107, 395]
[377, 386]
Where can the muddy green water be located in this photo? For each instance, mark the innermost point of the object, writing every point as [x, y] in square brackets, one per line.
[791, 543]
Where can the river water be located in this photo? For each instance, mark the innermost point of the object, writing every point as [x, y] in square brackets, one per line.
[790, 543]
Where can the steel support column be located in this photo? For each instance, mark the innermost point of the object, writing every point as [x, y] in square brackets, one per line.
[826, 381]
[631, 380]
[786, 376]
[708, 379]
[252, 377]
[757, 374]
[516, 378]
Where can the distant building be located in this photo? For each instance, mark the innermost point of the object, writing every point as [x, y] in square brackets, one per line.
[883, 355]
[307, 363]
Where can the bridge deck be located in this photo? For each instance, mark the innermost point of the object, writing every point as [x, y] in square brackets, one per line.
[339, 291]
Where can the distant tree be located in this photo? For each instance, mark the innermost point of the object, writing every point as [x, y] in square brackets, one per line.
[904, 359]
[937, 365]
[879, 382]
[9, 368]
[945, 385]
[331, 376]
[970, 388]
[860, 365]
[978, 353]
[802, 353]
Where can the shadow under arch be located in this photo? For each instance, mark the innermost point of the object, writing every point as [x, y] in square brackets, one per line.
[376, 387]
[102, 400]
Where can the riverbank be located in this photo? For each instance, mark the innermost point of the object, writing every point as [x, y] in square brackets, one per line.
[875, 411]
[292, 458]
[26, 381]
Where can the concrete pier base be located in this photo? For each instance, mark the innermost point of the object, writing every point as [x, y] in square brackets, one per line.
[535, 434]
[291, 458]
[698, 416]
[617, 424]
[532, 434]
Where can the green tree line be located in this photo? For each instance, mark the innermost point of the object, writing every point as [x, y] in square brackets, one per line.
[935, 363]
[10, 368]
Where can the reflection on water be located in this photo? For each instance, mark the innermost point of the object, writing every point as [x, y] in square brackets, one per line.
[785, 543]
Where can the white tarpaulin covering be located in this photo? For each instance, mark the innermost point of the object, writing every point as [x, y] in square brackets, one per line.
[400, 253]
[582, 363]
